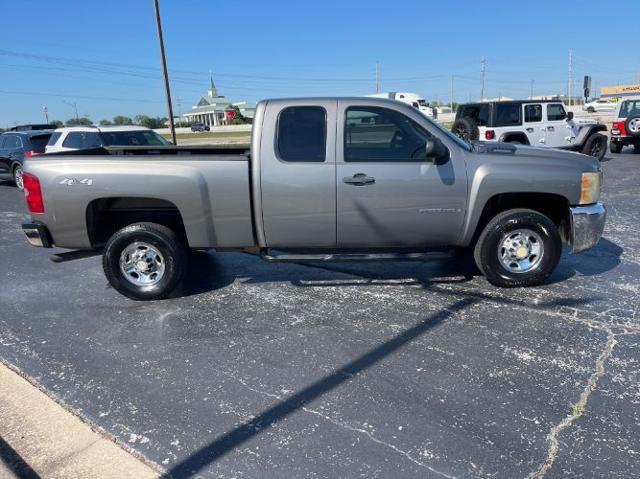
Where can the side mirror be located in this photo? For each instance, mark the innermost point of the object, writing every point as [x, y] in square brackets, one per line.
[569, 115]
[435, 149]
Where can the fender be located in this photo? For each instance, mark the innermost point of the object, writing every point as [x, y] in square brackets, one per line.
[586, 131]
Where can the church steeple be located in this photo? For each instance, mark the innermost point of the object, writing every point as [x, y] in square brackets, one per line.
[213, 91]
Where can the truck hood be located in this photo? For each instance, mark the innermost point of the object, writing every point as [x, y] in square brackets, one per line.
[538, 155]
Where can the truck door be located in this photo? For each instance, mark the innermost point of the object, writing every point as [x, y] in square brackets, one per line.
[533, 123]
[297, 174]
[557, 134]
[388, 194]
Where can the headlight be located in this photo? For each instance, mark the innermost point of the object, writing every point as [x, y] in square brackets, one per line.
[590, 187]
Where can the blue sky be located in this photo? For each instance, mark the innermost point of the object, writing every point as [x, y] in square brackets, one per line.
[104, 55]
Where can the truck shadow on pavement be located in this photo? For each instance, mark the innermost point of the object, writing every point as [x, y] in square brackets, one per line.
[14, 462]
[209, 272]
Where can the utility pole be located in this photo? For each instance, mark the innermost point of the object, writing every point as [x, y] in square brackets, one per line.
[451, 91]
[531, 96]
[46, 114]
[570, 80]
[483, 67]
[377, 77]
[165, 75]
[74, 105]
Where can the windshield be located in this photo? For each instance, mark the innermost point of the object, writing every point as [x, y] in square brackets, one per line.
[459, 141]
[132, 138]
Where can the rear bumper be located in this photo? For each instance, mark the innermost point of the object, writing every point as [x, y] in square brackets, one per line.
[37, 234]
[587, 225]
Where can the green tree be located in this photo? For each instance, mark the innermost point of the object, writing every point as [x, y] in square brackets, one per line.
[122, 120]
[105, 122]
[150, 122]
[56, 123]
[82, 121]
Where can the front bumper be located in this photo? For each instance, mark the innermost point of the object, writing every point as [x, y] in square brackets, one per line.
[587, 225]
[37, 234]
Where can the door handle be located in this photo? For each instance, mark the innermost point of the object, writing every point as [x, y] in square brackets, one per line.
[359, 179]
[551, 128]
[529, 130]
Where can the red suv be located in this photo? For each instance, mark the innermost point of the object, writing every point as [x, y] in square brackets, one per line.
[626, 126]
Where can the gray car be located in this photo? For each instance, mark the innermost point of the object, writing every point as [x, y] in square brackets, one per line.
[327, 179]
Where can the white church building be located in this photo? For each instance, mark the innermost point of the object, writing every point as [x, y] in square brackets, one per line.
[211, 108]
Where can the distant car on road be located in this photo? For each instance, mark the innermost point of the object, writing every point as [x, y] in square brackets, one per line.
[413, 99]
[199, 127]
[87, 137]
[626, 126]
[15, 146]
[599, 105]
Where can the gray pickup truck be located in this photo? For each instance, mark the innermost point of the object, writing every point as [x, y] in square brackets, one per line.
[327, 179]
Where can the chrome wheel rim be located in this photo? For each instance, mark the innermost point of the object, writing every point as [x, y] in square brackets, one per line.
[521, 251]
[18, 176]
[634, 125]
[142, 264]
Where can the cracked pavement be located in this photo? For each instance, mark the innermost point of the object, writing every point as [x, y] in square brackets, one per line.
[348, 370]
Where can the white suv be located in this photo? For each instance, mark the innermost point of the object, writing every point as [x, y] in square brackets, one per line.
[530, 122]
[87, 137]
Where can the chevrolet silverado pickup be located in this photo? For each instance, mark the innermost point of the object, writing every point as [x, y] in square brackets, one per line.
[326, 179]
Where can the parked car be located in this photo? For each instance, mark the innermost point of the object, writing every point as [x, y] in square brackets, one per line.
[530, 122]
[625, 129]
[15, 147]
[327, 179]
[599, 105]
[199, 127]
[86, 137]
[413, 99]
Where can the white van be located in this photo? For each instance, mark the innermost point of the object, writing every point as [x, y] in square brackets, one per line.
[412, 99]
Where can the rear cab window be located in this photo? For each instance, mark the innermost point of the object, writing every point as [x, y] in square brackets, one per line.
[301, 134]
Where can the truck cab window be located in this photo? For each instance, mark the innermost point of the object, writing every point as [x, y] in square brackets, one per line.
[532, 113]
[381, 134]
[301, 135]
[555, 112]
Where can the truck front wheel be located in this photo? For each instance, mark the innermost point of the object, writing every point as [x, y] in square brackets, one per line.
[518, 247]
[144, 261]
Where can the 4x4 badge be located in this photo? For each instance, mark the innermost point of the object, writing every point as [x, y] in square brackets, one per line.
[73, 181]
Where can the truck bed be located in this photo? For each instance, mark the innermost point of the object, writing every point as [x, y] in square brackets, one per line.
[206, 189]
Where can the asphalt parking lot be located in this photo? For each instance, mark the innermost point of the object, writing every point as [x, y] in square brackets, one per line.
[366, 370]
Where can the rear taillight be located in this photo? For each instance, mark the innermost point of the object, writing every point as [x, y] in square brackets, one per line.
[29, 153]
[33, 193]
[619, 126]
[489, 135]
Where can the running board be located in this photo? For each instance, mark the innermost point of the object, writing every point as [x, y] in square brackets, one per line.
[73, 255]
[352, 257]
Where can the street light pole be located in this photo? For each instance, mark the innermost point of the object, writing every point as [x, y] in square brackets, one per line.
[46, 114]
[164, 72]
[74, 105]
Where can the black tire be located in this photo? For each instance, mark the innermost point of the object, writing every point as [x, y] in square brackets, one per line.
[466, 128]
[488, 248]
[636, 148]
[596, 146]
[17, 176]
[627, 125]
[173, 254]
[615, 147]
[591, 109]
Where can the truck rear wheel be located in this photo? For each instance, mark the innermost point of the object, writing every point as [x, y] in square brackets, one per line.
[144, 261]
[615, 146]
[518, 247]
